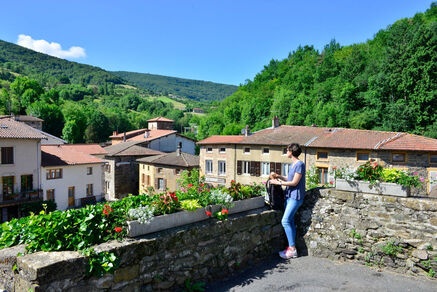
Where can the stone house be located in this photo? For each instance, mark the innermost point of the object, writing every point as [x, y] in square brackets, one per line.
[34, 122]
[162, 171]
[121, 168]
[251, 158]
[20, 163]
[70, 176]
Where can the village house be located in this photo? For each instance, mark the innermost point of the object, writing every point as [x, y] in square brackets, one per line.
[159, 136]
[121, 168]
[20, 162]
[34, 122]
[161, 172]
[71, 177]
[251, 158]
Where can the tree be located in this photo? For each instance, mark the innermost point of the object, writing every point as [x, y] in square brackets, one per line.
[51, 114]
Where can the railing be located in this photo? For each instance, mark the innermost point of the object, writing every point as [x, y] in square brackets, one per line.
[21, 197]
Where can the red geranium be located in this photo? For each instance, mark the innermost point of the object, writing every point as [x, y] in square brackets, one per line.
[118, 229]
[208, 213]
[225, 211]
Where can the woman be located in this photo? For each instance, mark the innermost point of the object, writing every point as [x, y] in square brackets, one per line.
[294, 196]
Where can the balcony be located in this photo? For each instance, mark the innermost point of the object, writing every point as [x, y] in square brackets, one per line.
[88, 200]
[7, 200]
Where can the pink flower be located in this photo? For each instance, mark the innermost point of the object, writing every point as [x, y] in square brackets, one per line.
[189, 186]
[331, 182]
[422, 179]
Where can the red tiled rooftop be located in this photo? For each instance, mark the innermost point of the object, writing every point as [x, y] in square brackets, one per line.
[58, 155]
[153, 134]
[11, 129]
[160, 119]
[130, 133]
[91, 149]
[411, 142]
[221, 140]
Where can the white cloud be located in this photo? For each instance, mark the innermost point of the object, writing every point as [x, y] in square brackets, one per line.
[53, 49]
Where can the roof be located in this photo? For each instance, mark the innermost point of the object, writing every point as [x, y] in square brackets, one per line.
[24, 118]
[131, 148]
[51, 139]
[160, 119]
[339, 138]
[173, 159]
[11, 129]
[91, 149]
[138, 135]
[130, 133]
[221, 140]
[59, 155]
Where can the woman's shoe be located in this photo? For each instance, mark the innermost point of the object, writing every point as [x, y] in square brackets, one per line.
[288, 253]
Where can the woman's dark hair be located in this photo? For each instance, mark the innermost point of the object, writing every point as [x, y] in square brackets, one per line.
[295, 149]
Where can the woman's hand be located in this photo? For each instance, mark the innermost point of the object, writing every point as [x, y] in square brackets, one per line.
[275, 182]
[273, 175]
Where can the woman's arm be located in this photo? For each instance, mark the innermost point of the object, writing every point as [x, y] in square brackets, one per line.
[294, 182]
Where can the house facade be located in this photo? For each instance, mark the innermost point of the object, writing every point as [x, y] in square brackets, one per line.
[251, 158]
[20, 160]
[70, 177]
[162, 172]
[121, 168]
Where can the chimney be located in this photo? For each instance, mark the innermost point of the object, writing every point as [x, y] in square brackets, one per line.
[124, 137]
[114, 133]
[147, 133]
[275, 122]
[246, 132]
[179, 151]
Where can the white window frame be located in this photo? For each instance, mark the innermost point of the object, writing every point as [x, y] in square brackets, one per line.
[246, 152]
[160, 183]
[264, 151]
[285, 169]
[222, 151]
[265, 168]
[89, 170]
[208, 166]
[208, 149]
[246, 167]
[222, 167]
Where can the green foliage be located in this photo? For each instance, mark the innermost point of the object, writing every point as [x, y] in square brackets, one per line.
[312, 178]
[193, 287]
[353, 233]
[369, 171]
[387, 83]
[239, 191]
[391, 248]
[100, 263]
[190, 205]
[192, 89]
[36, 207]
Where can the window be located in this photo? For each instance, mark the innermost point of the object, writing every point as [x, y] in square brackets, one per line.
[148, 180]
[222, 167]
[247, 150]
[208, 166]
[159, 169]
[398, 157]
[322, 155]
[7, 155]
[26, 183]
[54, 173]
[323, 175]
[265, 168]
[362, 156]
[107, 167]
[266, 150]
[222, 150]
[89, 170]
[50, 195]
[8, 185]
[246, 167]
[285, 169]
[209, 150]
[160, 183]
[89, 189]
[433, 158]
[106, 186]
[143, 178]
[71, 197]
[284, 151]
[177, 171]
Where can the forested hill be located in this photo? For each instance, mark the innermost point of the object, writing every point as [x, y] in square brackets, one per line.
[48, 70]
[386, 83]
[193, 89]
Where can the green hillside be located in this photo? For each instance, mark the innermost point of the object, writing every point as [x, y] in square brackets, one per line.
[386, 83]
[192, 89]
[48, 69]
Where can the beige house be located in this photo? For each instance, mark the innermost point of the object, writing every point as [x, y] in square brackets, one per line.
[251, 158]
[161, 172]
[20, 162]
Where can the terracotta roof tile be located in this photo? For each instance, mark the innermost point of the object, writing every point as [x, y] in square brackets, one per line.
[172, 159]
[284, 135]
[153, 134]
[9, 128]
[160, 119]
[58, 155]
[91, 149]
[23, 118]
[221, 140]
[411, 142]
[131, 148]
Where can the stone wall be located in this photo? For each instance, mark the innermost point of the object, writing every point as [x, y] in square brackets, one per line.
[382, 231]
[204, 251]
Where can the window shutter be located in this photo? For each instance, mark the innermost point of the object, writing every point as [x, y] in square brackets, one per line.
[252, 168]
[165, 183]
[278, 168]
[239, 167]
[156, 184]
[257, 168]
[272, 167]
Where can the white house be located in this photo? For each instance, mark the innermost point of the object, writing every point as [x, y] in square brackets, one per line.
[20, 161]
[70, 177]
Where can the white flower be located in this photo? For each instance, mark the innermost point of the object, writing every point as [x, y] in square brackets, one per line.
[142, 214]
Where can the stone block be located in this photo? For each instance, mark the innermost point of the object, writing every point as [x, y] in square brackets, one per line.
[126, 274]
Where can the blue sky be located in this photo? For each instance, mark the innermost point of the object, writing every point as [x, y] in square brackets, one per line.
[221, 41]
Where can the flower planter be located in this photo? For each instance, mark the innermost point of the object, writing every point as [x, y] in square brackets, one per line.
[382, 188]
[163, 222]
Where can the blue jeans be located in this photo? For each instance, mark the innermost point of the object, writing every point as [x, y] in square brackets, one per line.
[291, 206]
